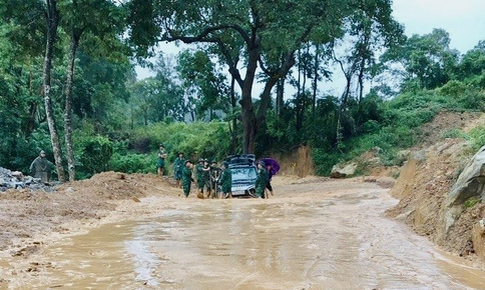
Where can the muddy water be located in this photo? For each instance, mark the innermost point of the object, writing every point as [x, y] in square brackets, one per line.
[336, 240]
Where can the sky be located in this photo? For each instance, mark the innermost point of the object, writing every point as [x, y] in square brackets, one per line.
[464, 20]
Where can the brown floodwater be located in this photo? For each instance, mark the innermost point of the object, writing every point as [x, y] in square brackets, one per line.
[338, 240]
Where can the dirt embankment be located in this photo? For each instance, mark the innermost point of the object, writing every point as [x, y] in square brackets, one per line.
[27, 216]
[426, 180]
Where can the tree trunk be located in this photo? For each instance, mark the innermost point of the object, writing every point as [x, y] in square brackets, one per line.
[280, 92]
[68, 110]
[52, 23]
[248, 120]
[315, 80]
[234, 120]
[298, 95]
[248, 116]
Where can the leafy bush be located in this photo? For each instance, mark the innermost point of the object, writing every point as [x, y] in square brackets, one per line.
[208, 140]
[477, 137]
[95, 155]
[133, 163]
[324, 161]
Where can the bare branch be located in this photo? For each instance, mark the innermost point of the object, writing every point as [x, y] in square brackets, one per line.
[231, 63]
[202, 37]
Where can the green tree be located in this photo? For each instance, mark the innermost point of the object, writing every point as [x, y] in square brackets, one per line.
[96, 19]
[424, 61]
[257, 32]
[204, 81]
[156, 98]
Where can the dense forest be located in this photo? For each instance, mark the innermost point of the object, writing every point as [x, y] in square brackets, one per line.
[253, 76]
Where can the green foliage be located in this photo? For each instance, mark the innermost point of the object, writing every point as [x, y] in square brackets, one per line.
[207, 140]
[132, 163]
[95, 154]
[477, 137]
[324, 160]
[453, 133]
[471, 202]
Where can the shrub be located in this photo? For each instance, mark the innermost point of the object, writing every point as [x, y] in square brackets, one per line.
[133, 163]
[95, 154]
[477, 137]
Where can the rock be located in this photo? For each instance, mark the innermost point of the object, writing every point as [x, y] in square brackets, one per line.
[16, 180]
[369, 179]
[403, 154]
[471, 182]
[386, 182]
[376, 149]
[419, 156]
[343, 172]
[18, 175]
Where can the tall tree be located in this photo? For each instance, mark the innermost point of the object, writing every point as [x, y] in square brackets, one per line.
[424, 61]
[52, 21]
[257, 32]
[205, 81]
[99, 20]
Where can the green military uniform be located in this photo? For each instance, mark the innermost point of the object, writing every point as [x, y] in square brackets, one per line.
[199, 171]
[41, 168]
[207, 179]
[162, 154]
[178, 166]
[261, 182]
[215, 174]
[186, 180]
[226, 181]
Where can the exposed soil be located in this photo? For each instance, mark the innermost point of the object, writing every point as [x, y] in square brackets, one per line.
[446, 121]
[32, 221]
[27, 217]
[314, 233]
[427, 178]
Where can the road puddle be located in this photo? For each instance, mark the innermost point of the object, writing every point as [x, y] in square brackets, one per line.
[336, 241]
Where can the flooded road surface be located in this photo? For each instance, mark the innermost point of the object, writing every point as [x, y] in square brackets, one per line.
[312, 236]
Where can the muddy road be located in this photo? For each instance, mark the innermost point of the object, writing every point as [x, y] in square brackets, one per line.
[312, 235]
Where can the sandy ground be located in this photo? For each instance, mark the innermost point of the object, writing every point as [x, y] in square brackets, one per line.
[137, 232]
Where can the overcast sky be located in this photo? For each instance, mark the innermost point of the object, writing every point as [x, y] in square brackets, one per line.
[463, 19]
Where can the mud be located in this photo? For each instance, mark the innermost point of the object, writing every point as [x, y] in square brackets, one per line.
[313, 234]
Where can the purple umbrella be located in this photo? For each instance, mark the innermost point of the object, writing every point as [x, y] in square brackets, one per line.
[275, 167]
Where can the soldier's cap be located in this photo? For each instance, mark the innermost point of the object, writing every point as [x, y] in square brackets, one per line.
[214, 162]
[188, 161]
[42, 152]
[226, 164]
[161, 145]
[201, 160]
[206, 160]
[262, 163]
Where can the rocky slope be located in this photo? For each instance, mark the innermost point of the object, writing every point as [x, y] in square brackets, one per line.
[441, 196]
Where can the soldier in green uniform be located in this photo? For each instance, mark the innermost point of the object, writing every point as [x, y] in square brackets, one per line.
[199, 172]
[178, 166]
[162, 155]
[207, 178]
[226, 180]
[215, 174]
[41, 168]
[187, 177]
[261, 180]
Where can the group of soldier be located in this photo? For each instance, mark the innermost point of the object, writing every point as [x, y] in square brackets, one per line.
[211, 179]
[214, 181]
